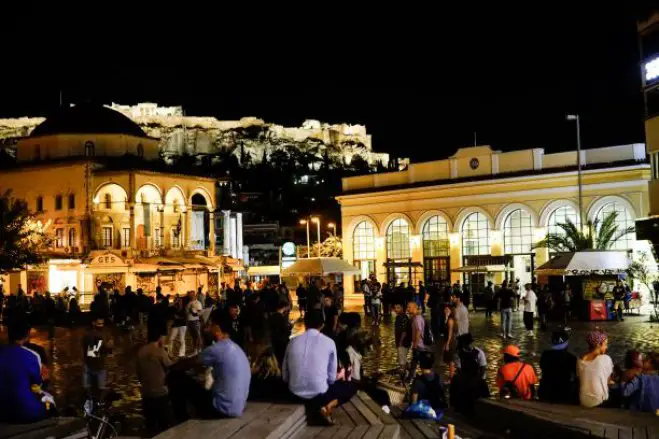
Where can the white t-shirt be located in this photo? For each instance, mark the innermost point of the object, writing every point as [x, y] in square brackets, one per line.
[461, 315]
[529, 301]
[356, 361]
[193, 307]
[594, 380]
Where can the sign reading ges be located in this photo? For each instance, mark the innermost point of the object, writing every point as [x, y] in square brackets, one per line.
[107, 260]
[651, 71]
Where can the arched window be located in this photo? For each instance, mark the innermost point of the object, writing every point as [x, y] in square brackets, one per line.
[363, 248]
[72, 201]
[398, 240]
[72, 238]
[108, 201]
[624, 220]
[476, 235]
[140, 150]
[435, 249]
[561, 216]
[90, 149]
[518, 233]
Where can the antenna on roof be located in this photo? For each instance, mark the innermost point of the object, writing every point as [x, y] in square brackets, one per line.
[475, 144]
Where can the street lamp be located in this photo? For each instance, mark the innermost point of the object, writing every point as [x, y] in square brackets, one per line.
[316, 220]
[305, 222]
[575, 118]
[332, 226]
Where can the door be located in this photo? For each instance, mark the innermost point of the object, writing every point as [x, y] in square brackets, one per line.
[436, 270]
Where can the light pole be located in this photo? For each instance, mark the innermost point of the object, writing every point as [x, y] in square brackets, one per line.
[333, 227]
[316, 220]
[575, 117]
[308, 240]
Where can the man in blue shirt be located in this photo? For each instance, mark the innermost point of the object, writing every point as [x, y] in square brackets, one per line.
[310, 369]
[19, 371]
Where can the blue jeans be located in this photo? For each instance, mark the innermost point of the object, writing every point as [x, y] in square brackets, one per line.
[507, 321]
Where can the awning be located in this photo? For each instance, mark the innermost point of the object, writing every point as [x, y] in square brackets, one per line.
[143, 268]
[481, 269]
[264, 270]
[586, 263]
[320, 267]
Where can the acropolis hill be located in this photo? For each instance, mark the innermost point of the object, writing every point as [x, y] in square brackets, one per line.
[179, 134]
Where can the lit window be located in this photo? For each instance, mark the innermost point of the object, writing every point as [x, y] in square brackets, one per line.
[72, 201]
[561, 216]
[90, 149]
[518, 233]
[435, 237]
[125, 241]
[108, 201]
[398, 240]
[476, 235]
[72, 237]
[58, 202]
[624, 220]
[107, 237]
[59, 238]
[363, 245]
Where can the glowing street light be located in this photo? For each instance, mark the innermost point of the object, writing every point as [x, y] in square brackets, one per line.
[305, 222]
[316, 220]
[332, 226]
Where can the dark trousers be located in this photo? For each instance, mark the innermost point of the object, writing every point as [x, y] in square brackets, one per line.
[414, 364]
[158, 414]
[489, 307]
[528, 320]
[341, 391]
[183, 389]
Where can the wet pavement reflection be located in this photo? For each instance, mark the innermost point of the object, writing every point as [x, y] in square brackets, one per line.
[65, 352]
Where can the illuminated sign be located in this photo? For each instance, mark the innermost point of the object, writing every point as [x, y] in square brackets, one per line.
[288, 256]
[107, 260]
[651, 71]
[288, 249]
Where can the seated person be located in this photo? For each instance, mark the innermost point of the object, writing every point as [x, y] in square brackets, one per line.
[594, 370]
[310, 369]
[428, 385]
[20, 381]
[358, 345]
[231, 376]
[559, 383]
[266, 384]
[640, 390]
[515, 379]
[469, 383]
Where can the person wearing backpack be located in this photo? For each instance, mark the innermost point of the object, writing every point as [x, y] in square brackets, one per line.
[516, 379]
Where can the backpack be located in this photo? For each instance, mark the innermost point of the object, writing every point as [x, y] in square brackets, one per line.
[508, 390]
[428, 337]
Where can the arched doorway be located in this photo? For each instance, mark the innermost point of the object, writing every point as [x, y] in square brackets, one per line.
[199, 228]
[436, 256]
[518, 244]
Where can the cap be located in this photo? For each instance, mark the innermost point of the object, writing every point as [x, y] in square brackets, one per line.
[511, 350]
[559, 337]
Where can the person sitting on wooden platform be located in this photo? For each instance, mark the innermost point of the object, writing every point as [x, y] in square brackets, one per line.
[594, 370]
[310, 369]
[515, 378]
[469, 383]
[428, 385]
[559, 383]
[640, 390]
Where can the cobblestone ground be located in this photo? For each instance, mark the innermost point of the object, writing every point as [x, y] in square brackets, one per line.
[66, 353]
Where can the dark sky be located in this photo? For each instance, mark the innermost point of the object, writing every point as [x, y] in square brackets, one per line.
[422, 84]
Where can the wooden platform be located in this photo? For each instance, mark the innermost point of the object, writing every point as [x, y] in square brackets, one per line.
[358, 419]
[53, 428]
[524, 419]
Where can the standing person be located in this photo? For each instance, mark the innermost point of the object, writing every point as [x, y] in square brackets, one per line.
[387, 299]
[516, 379]
[95, 349]
[192, 312]
[366, 291]
[619, 299]
[559, 383]
[449, 339]
[594, 370]
[507, 298]
[179, 327]
[330, 317]
[376, 300]
[530, 300]
[418, 330]
[410, 293]
[488, 296]
[310, 369]
[422, 297]
[461, 315]
[516, 290]
[402, 336]
[466, 295]
[237, 333]
[566, 296]
[301, 294]
[153, 363]
[544, 306]
[280, 331]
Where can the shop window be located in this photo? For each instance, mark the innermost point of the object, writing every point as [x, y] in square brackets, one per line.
[435, 237]
[58, 202]
[59, 238]
[125, 237]
[107, 237]
[72, 237]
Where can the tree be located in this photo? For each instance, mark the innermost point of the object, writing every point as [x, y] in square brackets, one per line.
[358, 164]
[596, 236]
[21, 236]
[279, 159]
[332, 247]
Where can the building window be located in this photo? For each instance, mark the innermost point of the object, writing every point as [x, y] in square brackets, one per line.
[156, 237]
[398, 240]
[108, 201]
[125, 237]
[624, 220]
[435, 237]
[476, 235]
[175, 206]
[561, 216]
[59, 238]
[72, 201]
[140, 150]
[518, 233]
[40, 204]
[175, 238]
[363, 248]
[58, 202]
[90, 149]
[107, 237]
[72, 238]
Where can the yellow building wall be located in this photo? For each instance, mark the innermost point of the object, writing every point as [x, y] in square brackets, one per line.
[516, 160]
[652, 135]
[71, 145]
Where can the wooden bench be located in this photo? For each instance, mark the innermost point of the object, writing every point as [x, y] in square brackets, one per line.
[48, 428]
[521, 419]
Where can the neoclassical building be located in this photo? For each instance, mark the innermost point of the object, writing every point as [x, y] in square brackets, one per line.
[484, 207]
[85, 173]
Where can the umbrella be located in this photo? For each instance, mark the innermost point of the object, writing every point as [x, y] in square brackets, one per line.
[320, 267]
[585, 263]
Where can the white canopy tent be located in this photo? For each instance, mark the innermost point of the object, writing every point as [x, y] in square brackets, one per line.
[319, 267]
[586, 262]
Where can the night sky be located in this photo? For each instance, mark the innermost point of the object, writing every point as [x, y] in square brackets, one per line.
[422, 89]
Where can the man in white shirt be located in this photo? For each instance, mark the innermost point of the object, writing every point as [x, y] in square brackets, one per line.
[192, 313]
[530, 300]
[461, 314]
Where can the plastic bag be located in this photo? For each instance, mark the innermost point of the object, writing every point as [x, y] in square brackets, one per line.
[423, 410]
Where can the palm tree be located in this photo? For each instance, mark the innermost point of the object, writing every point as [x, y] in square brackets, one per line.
[596, 236]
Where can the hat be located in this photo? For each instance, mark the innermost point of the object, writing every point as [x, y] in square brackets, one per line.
[559, 339]
[511, 350]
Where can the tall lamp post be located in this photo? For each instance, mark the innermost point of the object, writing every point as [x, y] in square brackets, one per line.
[316, 220]
[333, 227]
[305, 222]
[575, 118]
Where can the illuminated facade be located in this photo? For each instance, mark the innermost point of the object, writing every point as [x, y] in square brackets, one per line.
[435, 217]
[111, 222]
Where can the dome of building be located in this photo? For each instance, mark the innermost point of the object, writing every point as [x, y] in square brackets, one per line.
[87, 119]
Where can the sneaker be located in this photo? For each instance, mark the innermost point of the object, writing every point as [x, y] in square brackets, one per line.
[502, 335]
